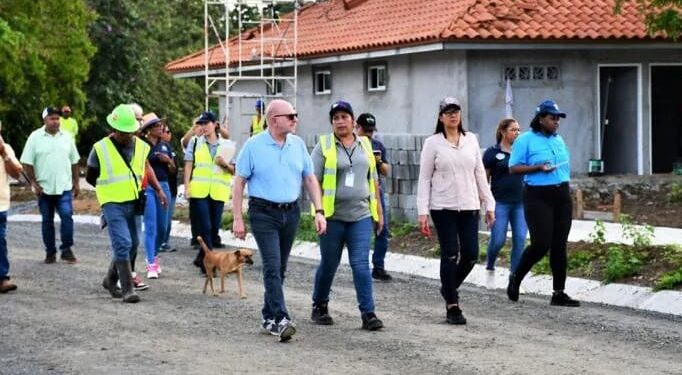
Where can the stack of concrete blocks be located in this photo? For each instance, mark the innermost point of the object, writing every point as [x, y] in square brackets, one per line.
[400, 187]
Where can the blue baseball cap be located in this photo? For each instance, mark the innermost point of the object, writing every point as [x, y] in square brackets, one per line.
[549, 106]
[259, 104]
[340, 106]
[205, 117]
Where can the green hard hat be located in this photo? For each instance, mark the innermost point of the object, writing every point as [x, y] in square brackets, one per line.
[122, 118]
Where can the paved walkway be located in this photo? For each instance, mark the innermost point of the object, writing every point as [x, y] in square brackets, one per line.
[643, 298]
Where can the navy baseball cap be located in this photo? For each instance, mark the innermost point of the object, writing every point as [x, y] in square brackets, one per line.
[340, 106]
[48, 111]
[205, 117]
[549, 106]
[367, 122]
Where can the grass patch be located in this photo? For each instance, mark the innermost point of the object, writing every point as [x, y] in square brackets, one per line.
[306, 229]
[669, 280]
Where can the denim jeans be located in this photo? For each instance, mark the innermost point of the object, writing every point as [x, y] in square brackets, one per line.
[207, 215]
[274, 231]
[356, 236]
[155, 221]
[122, 229]
[171, 210]
[4, 259]
[62, 204]
[506, 213]
[381, 241]
[458, 238]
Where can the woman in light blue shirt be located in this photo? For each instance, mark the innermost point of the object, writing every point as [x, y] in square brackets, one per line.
[543, 158]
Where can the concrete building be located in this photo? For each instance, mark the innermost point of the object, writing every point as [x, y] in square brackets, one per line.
[621, 89]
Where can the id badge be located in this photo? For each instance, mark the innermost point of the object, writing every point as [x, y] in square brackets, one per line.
[350, 179]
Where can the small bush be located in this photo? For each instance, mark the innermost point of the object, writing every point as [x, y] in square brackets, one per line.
[579, 260]
[619, 264]
[669, 280]
[306, 229]
[640, 236]
[598, 235]
[228, 219]
[542, 267]
[675, 195]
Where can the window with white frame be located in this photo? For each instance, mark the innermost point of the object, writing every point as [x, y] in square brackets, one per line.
[376, 77]
[531, 73]
[322, 82]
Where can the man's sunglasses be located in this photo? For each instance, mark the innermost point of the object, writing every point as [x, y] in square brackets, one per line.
[290, 116]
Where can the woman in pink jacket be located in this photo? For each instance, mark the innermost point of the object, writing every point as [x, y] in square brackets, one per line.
[452, 185]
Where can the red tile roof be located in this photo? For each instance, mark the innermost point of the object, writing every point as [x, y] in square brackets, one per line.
[346, 26]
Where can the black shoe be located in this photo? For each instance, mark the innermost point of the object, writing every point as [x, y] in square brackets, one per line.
[320, 314]
[454, 316]
[381, 274]
[370, 322]
[50, 258]
[68, 257]
[513, 288]
[562, 299]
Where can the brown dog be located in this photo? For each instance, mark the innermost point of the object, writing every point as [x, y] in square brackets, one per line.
[226, 262]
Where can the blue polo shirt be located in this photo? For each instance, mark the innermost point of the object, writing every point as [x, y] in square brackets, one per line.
[535, 148]
[272, 172]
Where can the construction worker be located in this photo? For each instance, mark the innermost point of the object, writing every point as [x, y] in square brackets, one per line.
[68, 123]
[258, 123]
[116, 166]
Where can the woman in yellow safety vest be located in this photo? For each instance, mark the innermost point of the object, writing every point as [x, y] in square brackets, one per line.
[258, 123]
[345, 166]
[208, 175]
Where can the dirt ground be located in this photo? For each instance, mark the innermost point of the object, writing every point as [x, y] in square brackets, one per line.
[61, 321]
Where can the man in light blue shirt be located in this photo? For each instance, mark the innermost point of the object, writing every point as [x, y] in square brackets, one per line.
[275, 164]
[50, 160]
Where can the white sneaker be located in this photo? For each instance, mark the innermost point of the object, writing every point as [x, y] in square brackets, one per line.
[490, 279]
[152, 271]
[286, 329]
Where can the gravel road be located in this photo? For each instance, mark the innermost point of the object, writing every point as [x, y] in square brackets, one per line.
[61, 321]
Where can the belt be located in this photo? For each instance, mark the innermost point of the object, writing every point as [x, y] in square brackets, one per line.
[278, 206]
[556, 186]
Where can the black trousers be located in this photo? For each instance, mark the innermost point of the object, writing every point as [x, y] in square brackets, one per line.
[458, 239]
[548, 211]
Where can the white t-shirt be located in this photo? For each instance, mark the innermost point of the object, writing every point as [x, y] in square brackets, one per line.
[4, 179]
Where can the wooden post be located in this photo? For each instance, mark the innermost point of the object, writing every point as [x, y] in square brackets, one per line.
[579, 204]
[616, 206]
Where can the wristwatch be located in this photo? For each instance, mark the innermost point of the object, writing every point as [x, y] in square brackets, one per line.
[320, 211]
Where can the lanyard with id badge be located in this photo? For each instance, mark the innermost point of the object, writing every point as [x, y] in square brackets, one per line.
[349, 180]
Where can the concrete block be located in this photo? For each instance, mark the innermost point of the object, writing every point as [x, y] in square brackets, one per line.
[413, 172]
[405, 187]
[410, 202]
[402, 172]
[403, 157]
[413, 157]
[390, 141]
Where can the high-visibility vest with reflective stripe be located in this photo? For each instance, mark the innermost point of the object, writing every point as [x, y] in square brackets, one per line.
[208, 178]
[328, 145]
[257, 126]
[115, 183]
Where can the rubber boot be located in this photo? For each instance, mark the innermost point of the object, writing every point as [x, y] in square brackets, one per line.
[125, 273]
[109, 282]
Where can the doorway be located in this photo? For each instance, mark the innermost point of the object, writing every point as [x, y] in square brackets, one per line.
[666, 118]
[619, 119]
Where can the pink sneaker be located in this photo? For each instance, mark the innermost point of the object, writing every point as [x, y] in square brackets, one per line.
[158, 265]
[152, 271]
[138, 284]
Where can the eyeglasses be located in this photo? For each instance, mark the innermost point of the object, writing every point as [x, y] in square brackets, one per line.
[451, 112]
[290, 116]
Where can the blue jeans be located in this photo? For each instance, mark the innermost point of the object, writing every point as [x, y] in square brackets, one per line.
[506, 213]
[4, 260]
[356, 236]
[381, 241]
[171, 210]
[207, 215]
[120, 219]
[62, 204]
[458, 239]
[274, 231]
[155, 221]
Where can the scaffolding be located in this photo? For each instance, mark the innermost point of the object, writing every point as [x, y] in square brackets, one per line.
[263, 52]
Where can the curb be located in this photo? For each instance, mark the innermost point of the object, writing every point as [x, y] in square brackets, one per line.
[630, 296]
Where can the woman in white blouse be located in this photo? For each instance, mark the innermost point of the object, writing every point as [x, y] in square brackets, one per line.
[452, 185]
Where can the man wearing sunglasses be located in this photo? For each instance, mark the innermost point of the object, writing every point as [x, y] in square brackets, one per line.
[275, 163]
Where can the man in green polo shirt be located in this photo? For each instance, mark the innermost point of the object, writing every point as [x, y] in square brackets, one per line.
[50, 160]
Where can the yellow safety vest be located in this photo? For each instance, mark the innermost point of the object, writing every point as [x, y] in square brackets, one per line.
[115, 183]
[207, 177]
[256, 125]
[69, 125]
[328, 145]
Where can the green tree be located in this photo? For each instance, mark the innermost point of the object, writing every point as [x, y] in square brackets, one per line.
[663, 16]
[44, 60]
